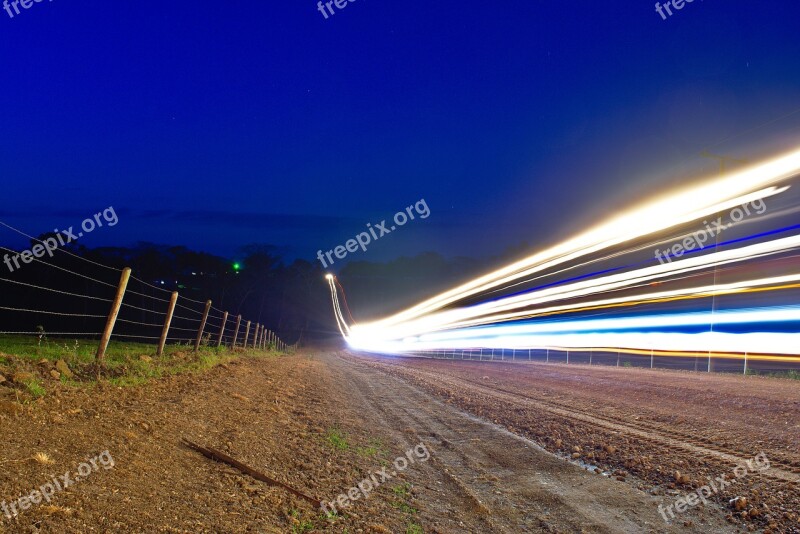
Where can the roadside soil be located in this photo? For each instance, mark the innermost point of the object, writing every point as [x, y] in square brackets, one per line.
[321, 422]
[666, 432]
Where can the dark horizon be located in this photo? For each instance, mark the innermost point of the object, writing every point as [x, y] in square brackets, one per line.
[275, 131]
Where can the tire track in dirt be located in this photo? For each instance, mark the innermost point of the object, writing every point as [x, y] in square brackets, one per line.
[702, 437]
[366, 394]
[670, 438]
[522, 487]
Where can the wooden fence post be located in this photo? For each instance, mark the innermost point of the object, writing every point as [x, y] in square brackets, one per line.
[202, 326]
[246, 335]
[222, 328]
[167, 321]
[256, 334]
[236, 332]
[112, 316]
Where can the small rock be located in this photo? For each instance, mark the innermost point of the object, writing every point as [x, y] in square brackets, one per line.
[680, 478]
[2, 379]
[64, 369]
[10, 407]
[21, 377]
[576, 455]
[55, 374]
[739, 503]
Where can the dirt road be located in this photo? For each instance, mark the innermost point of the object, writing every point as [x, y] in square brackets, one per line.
[486, 479]
[668, 432]
[321, 423]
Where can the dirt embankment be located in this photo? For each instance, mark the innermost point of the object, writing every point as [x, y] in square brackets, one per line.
[322, 423]
[667, 432]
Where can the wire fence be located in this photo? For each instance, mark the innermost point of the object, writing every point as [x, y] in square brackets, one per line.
[80, 297]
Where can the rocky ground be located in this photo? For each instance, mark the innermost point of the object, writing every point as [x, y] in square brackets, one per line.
[666, 432]
[321, 422]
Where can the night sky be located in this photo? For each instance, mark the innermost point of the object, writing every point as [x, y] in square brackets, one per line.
[218, 124]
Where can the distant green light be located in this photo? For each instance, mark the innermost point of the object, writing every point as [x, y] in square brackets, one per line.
[236, 266]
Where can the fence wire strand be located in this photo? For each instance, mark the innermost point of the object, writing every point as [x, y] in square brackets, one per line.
[54, 290]
[53, 313]
[66, 270]
[59, 249]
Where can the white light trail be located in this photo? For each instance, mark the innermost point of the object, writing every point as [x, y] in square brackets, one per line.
[427, 326]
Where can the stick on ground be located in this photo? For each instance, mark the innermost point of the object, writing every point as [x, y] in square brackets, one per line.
[218, 456]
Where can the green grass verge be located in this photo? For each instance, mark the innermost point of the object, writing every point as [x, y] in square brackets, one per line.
[126, 364]
[791, 374]
[337, 440]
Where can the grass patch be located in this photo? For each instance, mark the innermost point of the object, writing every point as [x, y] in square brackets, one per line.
[337, 439]
[404, 507]
[125, 365]
[299, 526]
[35, 389]
[374, 448]
[791, 374]
[127, 381]
[414, 528]
[403, 490]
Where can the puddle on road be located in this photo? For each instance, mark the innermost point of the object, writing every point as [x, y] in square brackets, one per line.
[529, 442]
[585, 465]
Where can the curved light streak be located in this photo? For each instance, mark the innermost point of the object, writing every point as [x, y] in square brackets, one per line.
[429, 326]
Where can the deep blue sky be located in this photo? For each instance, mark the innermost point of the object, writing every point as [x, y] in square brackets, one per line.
[218, 124]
